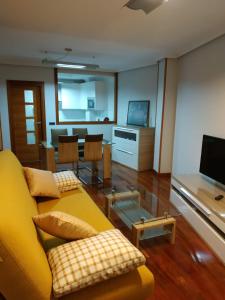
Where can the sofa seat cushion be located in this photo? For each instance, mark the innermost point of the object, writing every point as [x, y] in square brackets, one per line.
[135, 285]
[79, 204]
[86, 262]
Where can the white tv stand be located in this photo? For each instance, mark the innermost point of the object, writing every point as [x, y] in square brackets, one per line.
[133, 146]
[194, 196]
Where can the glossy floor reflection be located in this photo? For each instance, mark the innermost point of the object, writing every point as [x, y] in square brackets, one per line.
[187, 270]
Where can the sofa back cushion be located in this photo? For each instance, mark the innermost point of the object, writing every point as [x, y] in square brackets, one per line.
[24, 270]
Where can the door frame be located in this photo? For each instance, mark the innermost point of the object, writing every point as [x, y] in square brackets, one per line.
[39, 84]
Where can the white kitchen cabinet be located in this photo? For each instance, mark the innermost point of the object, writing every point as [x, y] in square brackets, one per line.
[70, 96]
[93, 90]
[83, 96]
[100, 95]
[76, 96]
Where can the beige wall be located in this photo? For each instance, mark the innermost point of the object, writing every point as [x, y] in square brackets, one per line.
[159, 112]
[169, 116]
[200, 103]
[137, 84]
[165, 115]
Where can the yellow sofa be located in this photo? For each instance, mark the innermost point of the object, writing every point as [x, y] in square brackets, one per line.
[24, 269]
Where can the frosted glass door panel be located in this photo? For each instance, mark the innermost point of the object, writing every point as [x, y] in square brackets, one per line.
[31, 139]
[30, 125]
[28, 96]
[29, 111]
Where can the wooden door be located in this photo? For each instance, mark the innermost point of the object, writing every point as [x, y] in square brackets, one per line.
[27, 120]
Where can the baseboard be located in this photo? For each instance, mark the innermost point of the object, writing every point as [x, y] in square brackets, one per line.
[161, 174]
[138, 171]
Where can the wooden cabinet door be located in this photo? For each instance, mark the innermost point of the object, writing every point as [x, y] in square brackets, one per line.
[26, 124]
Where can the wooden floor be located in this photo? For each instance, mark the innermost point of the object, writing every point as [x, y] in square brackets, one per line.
[186, 270]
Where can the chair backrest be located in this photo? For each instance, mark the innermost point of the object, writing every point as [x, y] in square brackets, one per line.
[55, 132]
[68, 148]
[93, 147]
[81, 132]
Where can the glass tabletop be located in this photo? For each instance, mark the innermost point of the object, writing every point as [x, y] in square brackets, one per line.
[136, 205]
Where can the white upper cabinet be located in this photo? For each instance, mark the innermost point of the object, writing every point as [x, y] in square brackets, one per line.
[89, 95]
[96, 92]
[70, 95]
[100, 95]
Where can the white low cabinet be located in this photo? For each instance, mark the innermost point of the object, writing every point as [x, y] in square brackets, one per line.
[194, 198]
[133, 147]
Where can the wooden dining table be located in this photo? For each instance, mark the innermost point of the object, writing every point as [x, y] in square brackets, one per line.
[47, 152]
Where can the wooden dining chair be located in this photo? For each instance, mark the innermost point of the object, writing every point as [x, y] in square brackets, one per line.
[55, 133]
[68, 150]
[93, 154]
[81, 132]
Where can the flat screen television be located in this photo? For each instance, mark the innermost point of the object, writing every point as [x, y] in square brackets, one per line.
[213, 158]
[138, 113]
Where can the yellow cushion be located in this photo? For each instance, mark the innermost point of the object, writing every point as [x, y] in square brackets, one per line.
[24, 270]
[64, 226]
[77, 203]
[41, 183]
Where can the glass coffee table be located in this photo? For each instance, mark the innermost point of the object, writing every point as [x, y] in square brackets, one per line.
[144, 213]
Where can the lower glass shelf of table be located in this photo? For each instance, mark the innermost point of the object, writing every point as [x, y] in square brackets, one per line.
[142, 211]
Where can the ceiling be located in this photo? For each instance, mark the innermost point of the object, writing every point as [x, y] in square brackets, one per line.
[104, 32]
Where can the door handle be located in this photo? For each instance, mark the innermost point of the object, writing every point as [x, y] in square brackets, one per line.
[38, 123]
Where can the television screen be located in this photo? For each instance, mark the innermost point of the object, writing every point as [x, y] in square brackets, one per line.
[138, 113]
[213, 158]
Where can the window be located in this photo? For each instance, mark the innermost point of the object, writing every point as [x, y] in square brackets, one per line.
[85, 97]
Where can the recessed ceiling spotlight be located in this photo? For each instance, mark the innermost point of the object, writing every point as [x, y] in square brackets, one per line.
[146, 5]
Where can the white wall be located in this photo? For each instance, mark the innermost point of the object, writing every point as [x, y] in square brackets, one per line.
[36, 74]
[200, 103]
[137, 84]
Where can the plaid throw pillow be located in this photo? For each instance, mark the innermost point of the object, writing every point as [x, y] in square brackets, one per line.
[66, 181]
[82, 263]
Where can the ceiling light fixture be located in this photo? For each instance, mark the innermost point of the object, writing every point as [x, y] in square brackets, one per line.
[68, 65]
[60, 63]
[146, 5]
